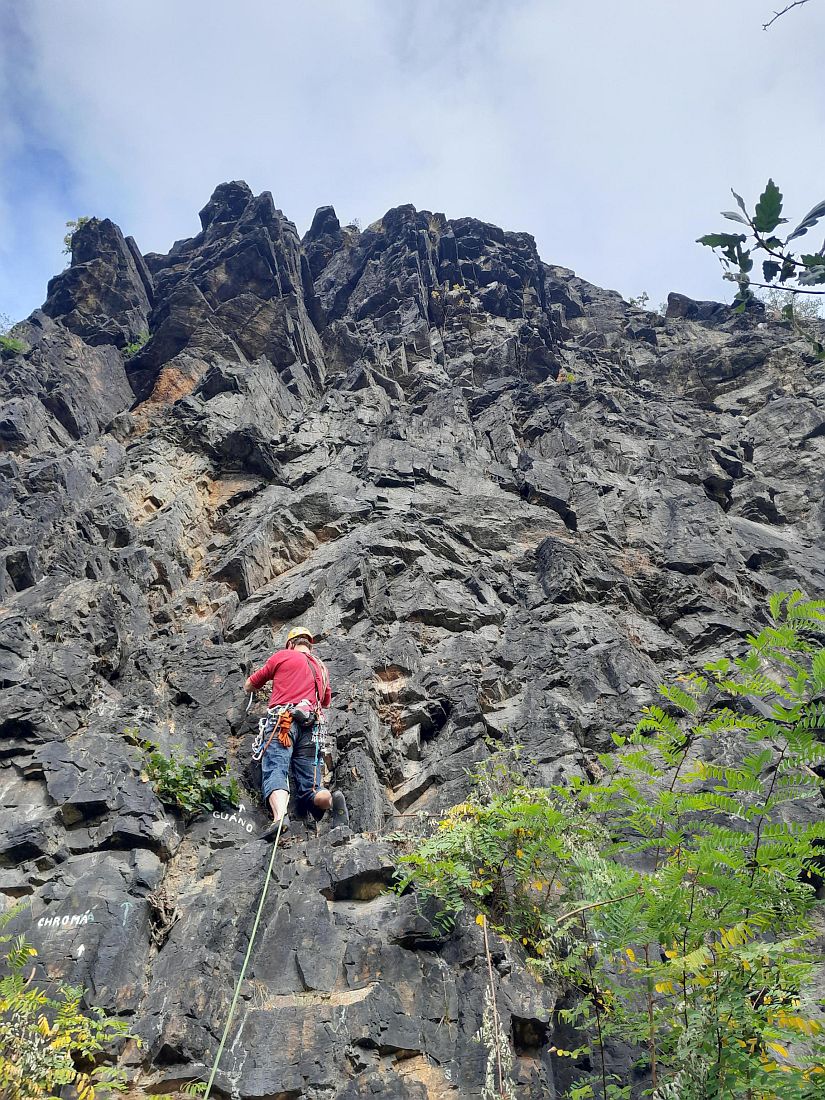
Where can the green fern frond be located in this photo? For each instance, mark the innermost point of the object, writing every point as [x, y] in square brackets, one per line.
[679, 697]
[775, 604]
[818, 669]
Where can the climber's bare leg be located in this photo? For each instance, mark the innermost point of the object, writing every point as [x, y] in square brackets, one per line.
[278, 802]
[322, 799]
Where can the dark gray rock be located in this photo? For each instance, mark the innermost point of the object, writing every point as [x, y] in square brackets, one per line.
[106, 293]
[323, 239]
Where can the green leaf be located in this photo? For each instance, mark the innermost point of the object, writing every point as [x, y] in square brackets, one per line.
[721, 240]
[770, 269]
[813, 275]
[744, 295]
[775, 604]
[722, 665]
[809, 221]
[768, 209]
[740, 202]
[732, 216]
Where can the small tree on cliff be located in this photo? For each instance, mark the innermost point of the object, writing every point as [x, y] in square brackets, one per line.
[73, 225]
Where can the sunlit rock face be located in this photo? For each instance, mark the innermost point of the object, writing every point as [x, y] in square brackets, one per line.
[506, 501]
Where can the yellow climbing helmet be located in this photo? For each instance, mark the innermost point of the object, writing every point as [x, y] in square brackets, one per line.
[299, 632]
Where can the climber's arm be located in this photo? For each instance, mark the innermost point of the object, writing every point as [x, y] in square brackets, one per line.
[263, 675]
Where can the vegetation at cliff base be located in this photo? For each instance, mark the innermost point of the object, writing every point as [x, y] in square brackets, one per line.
[47, 1041]
[670, 902]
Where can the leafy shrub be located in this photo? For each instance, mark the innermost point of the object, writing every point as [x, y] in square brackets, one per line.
[791, 307]
[640, 301]
[10, 345]
[190, 784]
[671, 899]
[73, 225]
[132, 349]
[47, 1041]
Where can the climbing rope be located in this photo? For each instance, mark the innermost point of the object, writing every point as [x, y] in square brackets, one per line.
[242, 974]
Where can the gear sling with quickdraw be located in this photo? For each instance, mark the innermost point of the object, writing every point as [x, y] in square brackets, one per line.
[278, 721]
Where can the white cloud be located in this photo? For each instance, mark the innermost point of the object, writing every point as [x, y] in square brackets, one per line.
[610, 131]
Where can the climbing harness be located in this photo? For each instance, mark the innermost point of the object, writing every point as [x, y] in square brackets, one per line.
[276, 723]
[242, 974]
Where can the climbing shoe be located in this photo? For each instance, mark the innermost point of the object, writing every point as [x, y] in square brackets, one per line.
[271, 831]
[340, 813]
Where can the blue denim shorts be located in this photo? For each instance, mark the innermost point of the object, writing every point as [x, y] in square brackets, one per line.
[299, 759]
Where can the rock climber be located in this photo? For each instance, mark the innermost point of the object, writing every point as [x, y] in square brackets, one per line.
[290, 735]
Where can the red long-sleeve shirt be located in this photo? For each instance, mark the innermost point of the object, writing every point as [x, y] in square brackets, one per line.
[291, 673]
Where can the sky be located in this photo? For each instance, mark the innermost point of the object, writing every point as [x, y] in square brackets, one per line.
[611, 131]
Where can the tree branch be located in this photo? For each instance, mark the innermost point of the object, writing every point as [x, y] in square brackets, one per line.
[594, 998]
[496, 1023]
[773, 286]
[785, 10]
[597, 905]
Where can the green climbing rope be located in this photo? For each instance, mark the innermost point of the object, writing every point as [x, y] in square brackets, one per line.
[242, 974]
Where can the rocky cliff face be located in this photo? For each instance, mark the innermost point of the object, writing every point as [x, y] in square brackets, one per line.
[508, 503]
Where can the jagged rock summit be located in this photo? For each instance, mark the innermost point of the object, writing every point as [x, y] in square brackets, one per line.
[506, 500]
